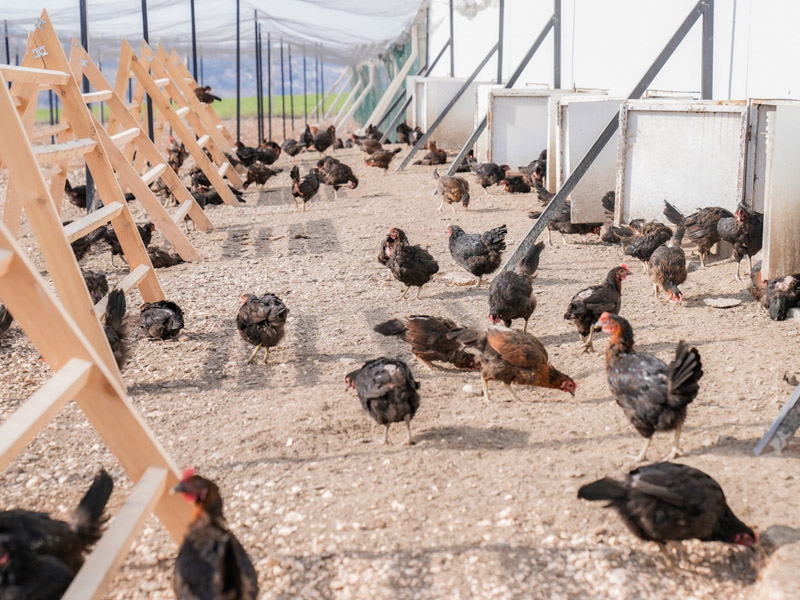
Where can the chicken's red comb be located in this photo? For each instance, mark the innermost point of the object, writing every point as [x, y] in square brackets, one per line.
[188, 473]
[624, 266]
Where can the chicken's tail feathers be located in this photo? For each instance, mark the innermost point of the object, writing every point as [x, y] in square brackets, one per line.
[496, 238]
[623, 233]
[603, 489]
[684, 373]
[88, 519]
[391, 327]
[528, 265]
[115, 309]
[396, 150]
[295, 174]
[435, 173]
[673, 215]
[417, 162]
[609, 201]
[535, 214]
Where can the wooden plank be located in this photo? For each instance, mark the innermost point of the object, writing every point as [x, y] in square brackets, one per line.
[80, 227]
[224, 169]
[154, 173]
[49, 172]
[30, 75]
[128, 282]
[128, 135]
[5, 260]
[102, 564]
[181, 112]
[99, 96]
[203, 140]
[64, 150]
[162, 81]
[181, 213]
[48, 130]
[38, 410]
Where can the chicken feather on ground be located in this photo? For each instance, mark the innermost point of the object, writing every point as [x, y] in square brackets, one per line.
[261, 320]
[511, 292]
[587, 305]
[428, 339]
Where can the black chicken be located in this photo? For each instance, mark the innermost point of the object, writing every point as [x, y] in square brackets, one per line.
[259, 173]
[653, 396]
[489, 174]
[783, 293]
[642, 241]
[83, 244]
[204, 94]
[416, 135]
[409, 264]
[161, 320]
[292, 147]
[324, 139]
[246, 154]
[26, 575]
[307, 138]
[428, 339]
[480, 254]
[667, 502]
[384, 254]
[161, 259]
[667, 264]
[114, 326]
[305, 188]
[96, 283]
[511, 292]
[212, 564]
[261, 320]
[381, 159]
[110, 236]
[373, 133]
[515, 184]
[5, 319]
[701, 226]
[206, 195]
[77, 194]
[562, 223]
[589, 304]
[336, 174]
[745, 232]
[267, 152]
[404, 133]
[387, 391]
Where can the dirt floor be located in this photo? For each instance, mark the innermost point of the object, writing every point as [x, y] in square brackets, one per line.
[484, 505]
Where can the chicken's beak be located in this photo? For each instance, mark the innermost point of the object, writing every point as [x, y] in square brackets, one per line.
[178, 489]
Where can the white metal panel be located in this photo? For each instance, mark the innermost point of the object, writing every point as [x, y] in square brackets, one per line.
[690, 154]
[579, 121]
[518, 126]
[782, 182]
[482, 93]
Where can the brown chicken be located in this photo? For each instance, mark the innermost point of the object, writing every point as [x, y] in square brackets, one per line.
[381, 159]
[562, 223]
[259, 173]
[96, 283]
[404, 133]
[292, 147]
[261, 320]
[640, 242]
[211, 562]
[305, 188]
[368, 146]
[489, 174]
[433, 157]
[587, 305]
[666, 502]
[410, 265]
[161, 259]
[428, 339]
[515, 184]
[324, 139]
[513, 357]
[452, 189]
[653, 395]
[336, 174]
[204, 94]
[745, 231]
[511, 292]
[700, 227]
[5, 319]
[667, 264]
[176, 154]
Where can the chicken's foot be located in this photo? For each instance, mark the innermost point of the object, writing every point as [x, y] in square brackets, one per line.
[525, 327]
[676, 448]
[441, 204]
[253, 355]
[385, 440]
[549, 239]
[564, 239]
[478, 283]
[403, 295]
[266, 354]
[485, 385]
[643, 454]
[587, 346]
[409, 439]
[419, 291]
[512, 392]
[645, 266]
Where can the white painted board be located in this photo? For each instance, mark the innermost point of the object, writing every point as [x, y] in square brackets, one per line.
[579, 121]
[781, 255]
[692, 154]
[481, 109]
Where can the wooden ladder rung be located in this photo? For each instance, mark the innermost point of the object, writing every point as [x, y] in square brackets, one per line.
[52, 171]
[154, 173]
[203, 140]
[182, 211]
[220, 126]
[64, 150]
[182, 111]
[127, 283]
[6, 256]
[40, 76]
[124, 137]
[162, 82]
[224, 168]
[98, 96]
[80, 227]
[188, 79]
[48, 130]
[23, 425]
[107, 556]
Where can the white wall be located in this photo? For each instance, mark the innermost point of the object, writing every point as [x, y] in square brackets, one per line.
[610, 43]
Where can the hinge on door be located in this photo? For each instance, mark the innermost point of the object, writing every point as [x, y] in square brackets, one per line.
[39, 52]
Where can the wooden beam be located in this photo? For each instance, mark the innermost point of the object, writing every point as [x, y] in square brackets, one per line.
[42, 77]
[154, 173]
[203, 140]
[5, 261]
[127, 283]
[38, 410]
[64, 150]
[181, 112]
[92, 221]
[48, 130]
[180, 214]
[162, 81]
[104, 561]
[125, 137]
[99, 96]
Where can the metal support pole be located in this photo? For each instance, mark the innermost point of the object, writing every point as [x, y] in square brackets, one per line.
[146, 36]
[707, 86]
[269, 86]
[305, 86]
[102, 104]
[425, 136]
[283, 94]
[733, 47]
[394, 104]
[259, 124]
[194, 43]
[561, 195]
[8, 47]
[322, 76]
[202, 74]
[86, 88]
[316, 81]
[452, 45]
[52, 115]
[557, 44]
[500, 43]
[291, 86]
[238, 77]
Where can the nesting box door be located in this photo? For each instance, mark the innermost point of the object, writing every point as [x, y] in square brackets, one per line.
[518, 126]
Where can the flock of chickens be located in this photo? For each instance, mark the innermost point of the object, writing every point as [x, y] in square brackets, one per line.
[662, 502]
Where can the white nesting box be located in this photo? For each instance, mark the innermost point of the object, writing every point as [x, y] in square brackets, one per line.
[521, 124]
[579, 121]
[482, 93]
[431, 96]
[692, 154]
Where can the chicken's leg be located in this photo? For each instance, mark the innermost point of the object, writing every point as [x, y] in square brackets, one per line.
[253, 355]
[738, 266]
[335, 195]
[485, 192]
[485, 385]
[667, 556]
[419, 291]
[403, 295]
[441, 204]
[750, 262]
[525, 327]
[385, 439]
[549, 239]
[477, 283]
[266, 354]
[409, 439]
[587, 346]
[643, 454]
[703, 265]
[655, 290]
[512, 392]
[645, 266]
[676, 448]
[564, 239]
[453, 208]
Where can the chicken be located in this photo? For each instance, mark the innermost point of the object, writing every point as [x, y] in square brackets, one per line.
[652, 395]
[416, 135]
[777, 295]
[267, 152]
[667, 264]
[542, 194]
[338, 144]
[161, 259]
[68, 543]
[480, 254]
[387, 391]
[368, 146]
[513, 357]
[292, 147]
[261, 320]
[259, 173]
[562, 223]
[394, 236]
[428, 339]
[305, 188]
[25, 575]
[324, 139]
[83, 244]
[642, 242]
[204, 94]
[96, 283]
[176, 154]
[114, 326]
[468, 162]
[246, 154]
[381, 159]
[161, 320]
[511, 292]
[211, 563]
[745, 232]
[452, 189]
[607, 233]
[110, 236]
[373, 133]
[336, 174]
[701, 226]
[307, 138]
[433, 157]
[410, 265]
[5, 319]
[404, 133]
[205, 196]
[667, 502]
[77, 194]
[588, 305]
[515, 184]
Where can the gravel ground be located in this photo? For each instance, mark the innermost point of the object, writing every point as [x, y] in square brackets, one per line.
[484, 506]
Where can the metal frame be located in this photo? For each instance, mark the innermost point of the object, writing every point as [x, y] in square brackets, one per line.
[781, 429]
[538, 227]
[363, 96]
